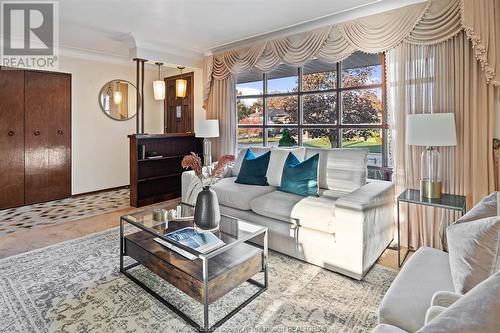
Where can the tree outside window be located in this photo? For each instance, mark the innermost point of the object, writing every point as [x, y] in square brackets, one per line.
[316, 106]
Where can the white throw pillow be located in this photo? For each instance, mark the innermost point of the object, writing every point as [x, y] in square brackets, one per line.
[476, 311]
[487, 207]
[277, 161]
[474, 251]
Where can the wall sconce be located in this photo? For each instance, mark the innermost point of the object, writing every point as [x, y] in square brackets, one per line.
[180, 85]
[159, 85]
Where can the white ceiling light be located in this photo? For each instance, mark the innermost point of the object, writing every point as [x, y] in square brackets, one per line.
[159, 85]
[180, 85]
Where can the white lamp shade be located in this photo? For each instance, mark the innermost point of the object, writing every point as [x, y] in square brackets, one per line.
[431, 129]
[159, 90]
[208, 129]
[180, 88]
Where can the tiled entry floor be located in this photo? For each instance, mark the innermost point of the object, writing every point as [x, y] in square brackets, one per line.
[60, 211]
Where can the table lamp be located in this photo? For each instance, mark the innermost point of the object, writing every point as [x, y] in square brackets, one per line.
[207, 129]
[431, 130]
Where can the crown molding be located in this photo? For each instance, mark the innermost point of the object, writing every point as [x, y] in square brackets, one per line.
[375, 7]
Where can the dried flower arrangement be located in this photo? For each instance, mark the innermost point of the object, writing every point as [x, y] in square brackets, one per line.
[209, 176]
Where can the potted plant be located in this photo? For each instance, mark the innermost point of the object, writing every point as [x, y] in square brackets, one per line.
[207, 212]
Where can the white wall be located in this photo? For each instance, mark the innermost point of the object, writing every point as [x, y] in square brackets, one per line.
[100, 151]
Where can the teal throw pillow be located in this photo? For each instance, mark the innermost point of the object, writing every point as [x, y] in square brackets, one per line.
[300, 177]
[253, 169]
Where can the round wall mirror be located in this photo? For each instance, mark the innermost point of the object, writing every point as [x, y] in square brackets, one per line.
[118, 99]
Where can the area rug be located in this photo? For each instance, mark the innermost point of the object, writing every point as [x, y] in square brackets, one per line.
[75, 286]
[60, 211]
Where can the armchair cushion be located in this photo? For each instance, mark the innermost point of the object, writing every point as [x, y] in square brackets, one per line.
[474, 251]
[445, 298]
[410, 294]
[476, 311]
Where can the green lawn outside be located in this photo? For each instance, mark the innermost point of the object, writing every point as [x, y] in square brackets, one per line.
[372, 145]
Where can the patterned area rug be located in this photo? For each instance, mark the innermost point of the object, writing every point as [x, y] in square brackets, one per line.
[76, 287]
[60, 211]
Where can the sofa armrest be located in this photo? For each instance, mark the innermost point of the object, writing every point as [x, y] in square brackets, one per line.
[372, 194]
[383, 328]
[186, 180]
[364, 222]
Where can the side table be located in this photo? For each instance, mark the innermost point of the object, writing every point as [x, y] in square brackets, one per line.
[410, 196]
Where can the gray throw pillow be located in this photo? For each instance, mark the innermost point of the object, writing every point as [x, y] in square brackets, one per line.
[487, 207]
[477, 311]
[474, 251]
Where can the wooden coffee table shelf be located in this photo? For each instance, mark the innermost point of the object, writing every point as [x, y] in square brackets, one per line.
[225, 272]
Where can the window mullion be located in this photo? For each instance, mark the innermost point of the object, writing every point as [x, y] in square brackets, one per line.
[300, 115]
[339, 104]
[264, 110]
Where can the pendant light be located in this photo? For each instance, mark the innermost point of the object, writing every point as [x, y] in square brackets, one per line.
[159, 85]
[180, 85]
[117, 95]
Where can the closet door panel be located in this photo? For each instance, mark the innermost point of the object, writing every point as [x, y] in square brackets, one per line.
[11, 138]
[60, 138]
[48, 136]
[37, 118]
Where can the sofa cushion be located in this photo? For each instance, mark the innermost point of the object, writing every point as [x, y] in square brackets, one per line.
[241, 155]
[236, 195]
[254, 169]
[316, 213]
[300, 177]
[341, 169]
[476, 311]
[277, 161]
[474, 251]
[410, 294]
[487, 207]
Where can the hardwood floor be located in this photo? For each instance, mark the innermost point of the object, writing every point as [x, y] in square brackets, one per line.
[27, 240]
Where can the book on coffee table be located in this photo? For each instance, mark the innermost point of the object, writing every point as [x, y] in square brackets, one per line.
[201, 241]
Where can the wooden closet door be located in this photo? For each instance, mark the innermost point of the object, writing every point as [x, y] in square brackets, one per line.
[11, 138]
[47, 136]
[179, 120]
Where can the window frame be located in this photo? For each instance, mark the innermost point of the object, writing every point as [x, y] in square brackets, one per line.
[300, 126]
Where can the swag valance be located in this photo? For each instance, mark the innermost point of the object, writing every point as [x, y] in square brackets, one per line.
[425, 23]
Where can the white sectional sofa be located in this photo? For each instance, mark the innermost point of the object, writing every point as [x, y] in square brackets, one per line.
[345, 229]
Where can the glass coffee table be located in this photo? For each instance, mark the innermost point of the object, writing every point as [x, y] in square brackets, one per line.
[209, 276]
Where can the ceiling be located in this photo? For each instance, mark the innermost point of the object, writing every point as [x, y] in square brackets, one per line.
[187, 29]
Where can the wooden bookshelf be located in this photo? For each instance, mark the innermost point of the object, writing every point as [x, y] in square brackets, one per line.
[159, 179]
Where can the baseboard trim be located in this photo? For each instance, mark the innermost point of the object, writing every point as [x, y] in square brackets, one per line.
[100, 191]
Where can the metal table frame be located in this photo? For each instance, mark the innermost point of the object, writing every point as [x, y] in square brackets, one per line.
[205, 258]
[411, 196]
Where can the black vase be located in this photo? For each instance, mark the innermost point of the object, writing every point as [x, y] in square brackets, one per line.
[207, 211]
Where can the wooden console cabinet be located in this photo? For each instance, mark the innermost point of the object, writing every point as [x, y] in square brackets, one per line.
[156, 180]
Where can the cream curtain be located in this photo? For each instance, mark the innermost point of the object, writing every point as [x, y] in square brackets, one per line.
[221, 105]
[481, 22]
[445, 77]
